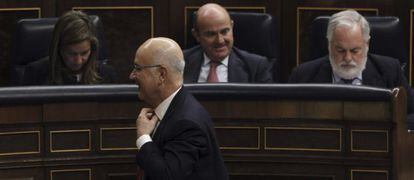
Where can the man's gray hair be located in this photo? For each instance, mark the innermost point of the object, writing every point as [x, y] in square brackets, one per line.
[348, 18]
[164, 57]
[178, 65]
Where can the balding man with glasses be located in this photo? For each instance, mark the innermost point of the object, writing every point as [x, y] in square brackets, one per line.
[175, 135]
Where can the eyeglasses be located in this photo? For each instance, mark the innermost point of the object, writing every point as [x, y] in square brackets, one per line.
[139, 67]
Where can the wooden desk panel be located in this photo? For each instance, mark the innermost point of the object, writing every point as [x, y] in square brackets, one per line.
[274, 138]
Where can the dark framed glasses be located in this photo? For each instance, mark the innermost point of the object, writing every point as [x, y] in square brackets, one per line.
[139, 67]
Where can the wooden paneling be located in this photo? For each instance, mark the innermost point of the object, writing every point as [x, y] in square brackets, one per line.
[322, 110]
[120, 110]
[411, 47]
[120, 172]
[70, 140]
[22, 174]
[70, 111]
[237, 109]
[69, 174]
[123, 33]
[376, 111]
[8, 17]
[303, 139]
[313, 140]
[248, 171]
[238, 138]
[23, 142]
[13, 115]
[278, 177]
[117, 138]
[129, 23]
[358, 174]
[372, 141]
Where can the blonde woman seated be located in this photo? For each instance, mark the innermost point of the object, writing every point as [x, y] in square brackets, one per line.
[73, 56]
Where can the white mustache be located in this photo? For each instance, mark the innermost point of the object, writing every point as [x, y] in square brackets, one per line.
[351, 63]
[220, 46]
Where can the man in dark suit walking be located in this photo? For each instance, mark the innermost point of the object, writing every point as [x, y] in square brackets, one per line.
[176, 138]
[215, 59]
[349, 62]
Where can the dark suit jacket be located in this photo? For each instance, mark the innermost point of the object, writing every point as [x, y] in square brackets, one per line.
[184, 145]
[380, 71]
[37, 73]
[243, 67]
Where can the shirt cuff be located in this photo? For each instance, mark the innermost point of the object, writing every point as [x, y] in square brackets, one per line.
[142, 140]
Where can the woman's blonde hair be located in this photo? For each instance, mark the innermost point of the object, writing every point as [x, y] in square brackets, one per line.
[73, 27]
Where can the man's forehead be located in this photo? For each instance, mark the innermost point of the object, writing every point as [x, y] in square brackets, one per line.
[212, 13]
[138, 58]
[214, 26]
[348, 29]
[216, 29]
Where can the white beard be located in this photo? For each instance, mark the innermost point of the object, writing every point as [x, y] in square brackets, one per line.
[348, 70]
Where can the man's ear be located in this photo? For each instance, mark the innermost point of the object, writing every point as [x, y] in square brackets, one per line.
[163, 73]
[195, 34]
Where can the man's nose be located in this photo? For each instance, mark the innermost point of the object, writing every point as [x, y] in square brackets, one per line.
[132, 75]
[219, 38]
[348, 56]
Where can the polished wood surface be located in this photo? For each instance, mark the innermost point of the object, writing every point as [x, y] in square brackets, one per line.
[272, 132]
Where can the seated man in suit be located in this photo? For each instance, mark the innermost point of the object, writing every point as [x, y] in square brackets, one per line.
[176, 138]
[215, 59]
[73, 56]
[349, 62]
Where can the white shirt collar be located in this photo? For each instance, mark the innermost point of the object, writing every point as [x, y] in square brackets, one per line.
[163, 106]
[78, 77]
[207, 60]
[337, 79]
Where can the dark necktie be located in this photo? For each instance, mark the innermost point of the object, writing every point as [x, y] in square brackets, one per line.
[212, 75]
[155, 128]
[348, 81]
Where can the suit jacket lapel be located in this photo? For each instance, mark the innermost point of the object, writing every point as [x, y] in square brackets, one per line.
[193, 66]
[168, 116]
[371, 76]
[236, 73]
[324, 75]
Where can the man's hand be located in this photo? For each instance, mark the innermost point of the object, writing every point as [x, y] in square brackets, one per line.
[146, 121]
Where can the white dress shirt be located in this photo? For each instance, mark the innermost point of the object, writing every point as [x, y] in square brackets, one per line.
[337, 80]
[78, 77]
[222, 70]
[159, 112]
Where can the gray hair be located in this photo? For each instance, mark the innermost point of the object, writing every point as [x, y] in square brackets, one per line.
[178, 65]
[166, 56]
[348, 18]
[174, 63]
